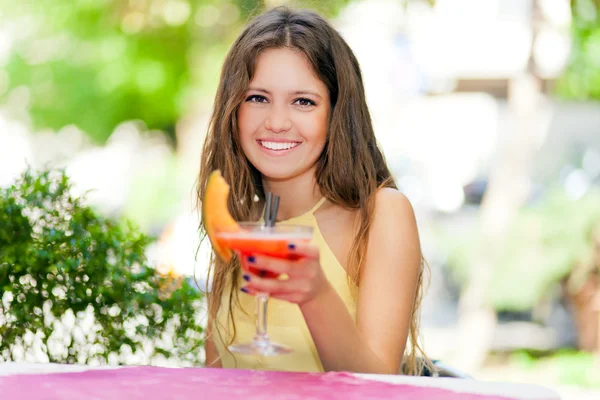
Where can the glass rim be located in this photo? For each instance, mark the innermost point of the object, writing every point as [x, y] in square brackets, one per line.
[260, 226]
[248, 228]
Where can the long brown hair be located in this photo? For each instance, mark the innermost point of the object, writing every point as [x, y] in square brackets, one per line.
[349, 171]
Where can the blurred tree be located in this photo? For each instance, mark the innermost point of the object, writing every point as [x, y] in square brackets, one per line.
[507, 191]
[511, 241]
[97, 63]
[546, 242]
[581, 80]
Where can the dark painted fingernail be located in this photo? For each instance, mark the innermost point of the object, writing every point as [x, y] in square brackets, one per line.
[246, 278]
[291, 246]
[262, 273]
[244, 290]
[251, 259]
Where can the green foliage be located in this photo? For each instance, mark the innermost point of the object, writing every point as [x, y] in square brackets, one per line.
[581, 80]
[76, 286]
[543, 244]
[569, 367]
[97, 63]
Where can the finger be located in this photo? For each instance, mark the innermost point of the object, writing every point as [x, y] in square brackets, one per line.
[274, 266]
[304, 250]
[247, 290]
[289, 297]
[282, 268]
[275, 286]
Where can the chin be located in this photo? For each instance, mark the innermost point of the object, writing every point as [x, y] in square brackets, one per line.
[282, 169]
[278, 174]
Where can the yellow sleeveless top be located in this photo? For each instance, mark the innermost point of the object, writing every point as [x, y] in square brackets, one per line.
[285, 321]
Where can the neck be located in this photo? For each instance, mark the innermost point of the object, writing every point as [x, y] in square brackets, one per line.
[297, 195]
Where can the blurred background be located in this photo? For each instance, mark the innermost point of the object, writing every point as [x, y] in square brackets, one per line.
[488, 112]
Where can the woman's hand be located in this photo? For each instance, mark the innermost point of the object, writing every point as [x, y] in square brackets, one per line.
[305, 278]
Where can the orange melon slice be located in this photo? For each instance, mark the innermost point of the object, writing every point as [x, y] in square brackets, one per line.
[215, 213]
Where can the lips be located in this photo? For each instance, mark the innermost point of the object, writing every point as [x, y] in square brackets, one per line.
[278, 145]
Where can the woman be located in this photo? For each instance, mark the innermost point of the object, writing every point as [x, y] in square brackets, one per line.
[290, 117]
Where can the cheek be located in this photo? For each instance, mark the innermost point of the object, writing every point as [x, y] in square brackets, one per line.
[316, 128]
[248, 121]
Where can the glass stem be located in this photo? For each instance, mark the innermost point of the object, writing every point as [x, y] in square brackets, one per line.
[262, 301]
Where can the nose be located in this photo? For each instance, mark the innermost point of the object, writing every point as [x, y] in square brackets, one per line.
[278, 121]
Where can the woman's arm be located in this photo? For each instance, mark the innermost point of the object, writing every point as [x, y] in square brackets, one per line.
[388, 284]
[387, 290]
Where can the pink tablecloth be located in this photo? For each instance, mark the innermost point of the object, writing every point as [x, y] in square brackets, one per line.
[218, 384]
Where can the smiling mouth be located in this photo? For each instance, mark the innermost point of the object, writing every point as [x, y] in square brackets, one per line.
[278, 146]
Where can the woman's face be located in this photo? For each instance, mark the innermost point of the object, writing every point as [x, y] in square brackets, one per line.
[284, 117]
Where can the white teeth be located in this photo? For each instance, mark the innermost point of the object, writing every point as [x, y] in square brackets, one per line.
[278, 145]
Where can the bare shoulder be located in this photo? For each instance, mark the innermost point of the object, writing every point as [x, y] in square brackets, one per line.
[392, 205]
[394, 233]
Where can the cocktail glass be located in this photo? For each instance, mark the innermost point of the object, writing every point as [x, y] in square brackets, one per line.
[256, 238]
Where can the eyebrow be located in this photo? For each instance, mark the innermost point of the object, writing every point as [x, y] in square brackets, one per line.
[295, 93]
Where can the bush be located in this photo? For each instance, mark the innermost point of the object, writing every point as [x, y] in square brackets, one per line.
[75, 287]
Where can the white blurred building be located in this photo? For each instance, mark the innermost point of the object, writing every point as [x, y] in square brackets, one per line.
[461, 53]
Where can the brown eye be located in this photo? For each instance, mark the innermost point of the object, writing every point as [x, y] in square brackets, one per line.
[304, 102]
[255, 98]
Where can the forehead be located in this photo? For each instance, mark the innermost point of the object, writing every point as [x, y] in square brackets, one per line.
[285, 69]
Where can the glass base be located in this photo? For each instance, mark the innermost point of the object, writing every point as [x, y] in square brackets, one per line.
[260, 349]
